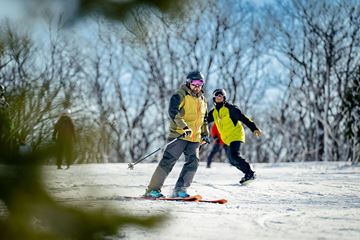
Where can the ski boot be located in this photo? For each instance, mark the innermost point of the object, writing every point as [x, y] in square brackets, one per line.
[247, 177]
[153, 194]
[180, 194]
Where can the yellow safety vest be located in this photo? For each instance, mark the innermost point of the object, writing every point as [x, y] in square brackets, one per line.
[228, 131]
[192, 111]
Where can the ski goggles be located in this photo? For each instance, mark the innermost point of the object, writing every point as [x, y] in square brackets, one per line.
[197, 83]
[218, 93]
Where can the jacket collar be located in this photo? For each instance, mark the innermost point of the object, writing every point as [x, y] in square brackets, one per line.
[220, 105]
[187, 89]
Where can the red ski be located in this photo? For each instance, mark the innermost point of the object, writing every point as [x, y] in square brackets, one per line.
[195, 198]
[218, 201]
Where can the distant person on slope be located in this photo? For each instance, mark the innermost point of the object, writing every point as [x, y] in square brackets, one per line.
[64, 136]
[218, 145]
[228, 119]
[188, 113]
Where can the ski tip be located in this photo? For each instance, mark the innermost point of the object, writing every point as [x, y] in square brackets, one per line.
[222, 201]
[218, 201]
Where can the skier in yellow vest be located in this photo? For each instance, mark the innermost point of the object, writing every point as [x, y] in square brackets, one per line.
[188, 113]
[228, 119]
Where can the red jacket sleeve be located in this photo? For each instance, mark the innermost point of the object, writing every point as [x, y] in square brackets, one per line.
[215, 133]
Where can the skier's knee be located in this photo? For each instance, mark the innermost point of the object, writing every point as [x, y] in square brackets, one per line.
[167, 160]
[192, 163]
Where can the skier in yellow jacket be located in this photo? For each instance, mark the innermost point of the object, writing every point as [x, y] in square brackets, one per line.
[188, 113]
[228, 119]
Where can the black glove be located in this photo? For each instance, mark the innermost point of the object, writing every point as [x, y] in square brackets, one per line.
[205, 139]
[217, 141]
[187, 131]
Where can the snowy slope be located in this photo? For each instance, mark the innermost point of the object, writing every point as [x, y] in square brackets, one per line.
[287, 201]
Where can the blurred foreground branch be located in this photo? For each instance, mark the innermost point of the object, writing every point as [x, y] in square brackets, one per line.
[31, 213]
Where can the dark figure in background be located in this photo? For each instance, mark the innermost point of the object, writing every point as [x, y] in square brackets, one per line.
[217, 147]
[64, 135]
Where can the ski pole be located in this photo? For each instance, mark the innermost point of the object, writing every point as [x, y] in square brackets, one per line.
[131, 165]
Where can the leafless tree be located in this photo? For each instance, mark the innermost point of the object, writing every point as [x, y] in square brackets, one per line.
[319, 39]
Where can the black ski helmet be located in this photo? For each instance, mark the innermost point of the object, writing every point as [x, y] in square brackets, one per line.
[219, 91]
[194, 75]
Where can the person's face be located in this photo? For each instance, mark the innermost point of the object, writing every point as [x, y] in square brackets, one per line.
[196, 86]
[219, 98]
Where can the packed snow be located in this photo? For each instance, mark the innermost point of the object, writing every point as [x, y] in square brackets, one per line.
[286, 201]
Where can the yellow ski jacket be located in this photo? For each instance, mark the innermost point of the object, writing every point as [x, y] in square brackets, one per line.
[228, 118]
[187, 109]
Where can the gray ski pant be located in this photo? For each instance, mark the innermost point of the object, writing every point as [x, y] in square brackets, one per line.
[166, 164]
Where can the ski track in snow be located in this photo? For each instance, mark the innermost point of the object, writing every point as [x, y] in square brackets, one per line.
[286, 201]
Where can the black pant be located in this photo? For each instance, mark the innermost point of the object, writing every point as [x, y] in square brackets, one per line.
[233, 153]
[217, 148]
[64, 150]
